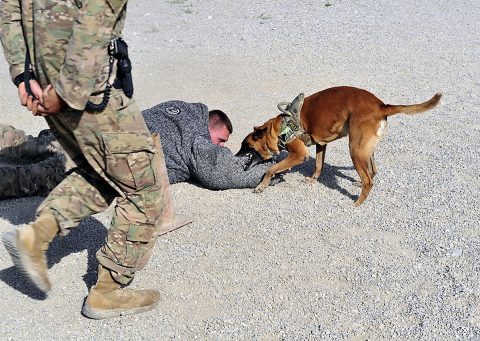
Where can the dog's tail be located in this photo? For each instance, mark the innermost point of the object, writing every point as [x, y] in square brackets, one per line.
[388, 109]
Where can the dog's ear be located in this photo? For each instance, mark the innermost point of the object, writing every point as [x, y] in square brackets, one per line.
[256, 128]
[259, 133]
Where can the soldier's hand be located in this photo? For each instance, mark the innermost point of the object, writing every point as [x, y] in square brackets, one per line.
[25, 99]
[50, 103]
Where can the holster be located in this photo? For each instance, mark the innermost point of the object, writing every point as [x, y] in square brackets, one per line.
[119, 50]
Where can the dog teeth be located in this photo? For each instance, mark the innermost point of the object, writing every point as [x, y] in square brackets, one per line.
[249, 160]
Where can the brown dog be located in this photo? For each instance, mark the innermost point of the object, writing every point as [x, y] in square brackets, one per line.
[326, 116]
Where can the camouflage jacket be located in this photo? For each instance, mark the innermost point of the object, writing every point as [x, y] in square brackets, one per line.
[67, 42]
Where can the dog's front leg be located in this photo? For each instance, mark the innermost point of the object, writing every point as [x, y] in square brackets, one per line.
[265, 181]
[297, 154]
[320, 158]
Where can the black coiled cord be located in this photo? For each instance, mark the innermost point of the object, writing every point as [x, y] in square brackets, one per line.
[92, 107]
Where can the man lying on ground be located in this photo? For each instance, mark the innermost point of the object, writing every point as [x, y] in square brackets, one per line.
[192, 140]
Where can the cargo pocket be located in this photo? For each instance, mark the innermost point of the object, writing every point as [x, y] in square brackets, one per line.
[138, 244]
[128, 159]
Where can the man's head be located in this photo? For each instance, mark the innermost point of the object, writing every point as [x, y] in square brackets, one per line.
[219, 126]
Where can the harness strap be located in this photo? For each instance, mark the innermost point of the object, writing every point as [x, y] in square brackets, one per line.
[287, 133]
[292, 125]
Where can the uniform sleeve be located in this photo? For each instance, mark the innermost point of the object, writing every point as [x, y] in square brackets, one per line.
[216, 167]
[87, 50]
[11, 35]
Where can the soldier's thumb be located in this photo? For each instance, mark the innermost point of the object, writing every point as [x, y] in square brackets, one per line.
[47, 90]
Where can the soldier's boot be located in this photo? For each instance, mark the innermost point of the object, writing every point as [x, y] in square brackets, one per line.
[27, 247]
[108, 299]
[170, 220]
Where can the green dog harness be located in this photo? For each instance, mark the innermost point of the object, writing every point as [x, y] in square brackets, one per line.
[292, 125]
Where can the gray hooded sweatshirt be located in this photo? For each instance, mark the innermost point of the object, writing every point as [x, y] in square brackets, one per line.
[190, 153]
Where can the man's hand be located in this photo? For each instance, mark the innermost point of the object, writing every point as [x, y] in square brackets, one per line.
[25, 99]
[49, 104]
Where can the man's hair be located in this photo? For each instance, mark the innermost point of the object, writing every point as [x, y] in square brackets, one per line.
[217, 118]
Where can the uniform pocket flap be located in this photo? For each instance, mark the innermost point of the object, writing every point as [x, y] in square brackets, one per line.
[125, 143]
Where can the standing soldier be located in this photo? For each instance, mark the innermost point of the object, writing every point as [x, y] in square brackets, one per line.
[70, 67]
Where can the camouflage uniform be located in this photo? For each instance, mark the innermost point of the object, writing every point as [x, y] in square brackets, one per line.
[113, 150]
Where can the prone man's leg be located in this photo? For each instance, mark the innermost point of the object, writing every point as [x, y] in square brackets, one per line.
[14, 143]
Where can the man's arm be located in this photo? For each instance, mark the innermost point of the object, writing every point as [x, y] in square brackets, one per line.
[11, 35]
[87, 51]
[14, 48]
[216, 167]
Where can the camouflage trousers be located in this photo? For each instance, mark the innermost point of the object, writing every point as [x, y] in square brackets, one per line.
[114, 154]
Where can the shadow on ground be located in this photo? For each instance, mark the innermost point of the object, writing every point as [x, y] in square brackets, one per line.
[329, 177]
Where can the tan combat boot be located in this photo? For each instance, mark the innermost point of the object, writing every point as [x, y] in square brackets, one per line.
[170, 220]
[27, 247]
[108, 299]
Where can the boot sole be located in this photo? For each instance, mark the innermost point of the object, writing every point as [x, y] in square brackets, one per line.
[22, 262]
[98, 314]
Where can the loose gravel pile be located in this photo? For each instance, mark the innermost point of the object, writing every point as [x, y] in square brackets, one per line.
[296, 262]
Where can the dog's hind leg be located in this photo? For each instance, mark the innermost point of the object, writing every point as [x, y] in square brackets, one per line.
[373, 144]
[361, 164]
[362, 147]
[372, 166]
[372, 170]
[320, 158]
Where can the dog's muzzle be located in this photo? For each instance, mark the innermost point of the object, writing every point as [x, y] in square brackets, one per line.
[253, 158]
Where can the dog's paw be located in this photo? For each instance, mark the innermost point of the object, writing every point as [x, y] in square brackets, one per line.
[276, 180]
[358, 202]
[310, 180]
[258, 189]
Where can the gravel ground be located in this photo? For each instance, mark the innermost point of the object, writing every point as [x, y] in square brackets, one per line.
[296, 262]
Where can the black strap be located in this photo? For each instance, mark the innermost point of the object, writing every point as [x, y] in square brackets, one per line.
[26, 73]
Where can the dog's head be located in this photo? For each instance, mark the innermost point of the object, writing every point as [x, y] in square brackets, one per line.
[260, 145]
